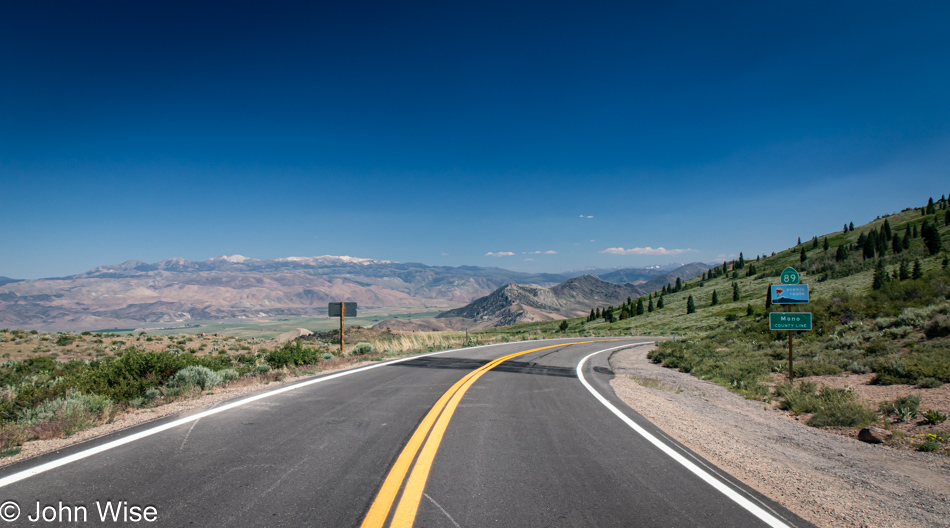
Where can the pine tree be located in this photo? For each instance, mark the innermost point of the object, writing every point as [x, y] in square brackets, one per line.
[917, 273]
[851, 226]
[840, 255]
[624, 312]
[704, 276]
[659, 303]
[880, 276]
[814, 242]
[598, 313]
[886, 230]
[931, 236]
[690, 305]
[640, 306]
[799, 241]
[903, 273]
[724, 268]
[824, 244]
[768, 298]
[862, 239]
[592, 316]
[930, 207]
[870, 244]
[735, 292]
[679, 285]
[748, 310]
[741, 261]
[915, 232]
[845, 231]
[905, 243]
[715, 298]
[897, 244]
[650, 306]
[803, 256]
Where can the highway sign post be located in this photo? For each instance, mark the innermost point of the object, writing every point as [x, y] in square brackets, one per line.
[340, 309]
[788, 293]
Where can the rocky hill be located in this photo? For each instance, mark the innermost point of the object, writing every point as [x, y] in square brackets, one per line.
[519, 303]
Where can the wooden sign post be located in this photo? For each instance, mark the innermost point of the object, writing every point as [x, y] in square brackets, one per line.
[341, 309]
[788, 293]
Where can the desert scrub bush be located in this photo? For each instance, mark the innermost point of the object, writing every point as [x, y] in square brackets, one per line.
[740, 368]
[326, 356]
[934, 417]
[362, 349]
[903, 408]
[191, 377]
[929, 383]
[129, 375]
[291, 354]
[931, 442]
[228, 375]
[263, 368]
[937, 327]
[831, 407]
[74, 411]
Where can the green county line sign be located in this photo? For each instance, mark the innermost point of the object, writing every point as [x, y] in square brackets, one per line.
[789, 321]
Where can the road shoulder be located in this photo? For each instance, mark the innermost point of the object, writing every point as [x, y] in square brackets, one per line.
[826, 479]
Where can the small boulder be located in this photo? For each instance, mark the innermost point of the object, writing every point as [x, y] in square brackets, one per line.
[874, 435]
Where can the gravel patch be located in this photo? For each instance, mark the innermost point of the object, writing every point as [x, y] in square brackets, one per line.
[827, 479]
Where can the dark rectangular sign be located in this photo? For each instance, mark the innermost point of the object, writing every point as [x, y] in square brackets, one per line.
[790, 294]
[333, 309]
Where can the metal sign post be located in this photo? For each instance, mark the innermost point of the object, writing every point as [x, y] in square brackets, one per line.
[340, 309]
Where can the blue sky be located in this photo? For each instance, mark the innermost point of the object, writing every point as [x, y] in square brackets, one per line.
[453, 134]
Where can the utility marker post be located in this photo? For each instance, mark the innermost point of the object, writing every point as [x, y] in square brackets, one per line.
[340, 309]
[788, 293]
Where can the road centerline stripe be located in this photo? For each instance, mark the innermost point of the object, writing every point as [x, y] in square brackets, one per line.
[432, 433]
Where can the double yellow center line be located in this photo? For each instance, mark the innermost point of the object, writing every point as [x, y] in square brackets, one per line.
[430, 431]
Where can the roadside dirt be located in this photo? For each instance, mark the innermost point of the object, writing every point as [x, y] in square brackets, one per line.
[828, 479]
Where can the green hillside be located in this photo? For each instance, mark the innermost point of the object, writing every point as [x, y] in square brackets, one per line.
[879, 307]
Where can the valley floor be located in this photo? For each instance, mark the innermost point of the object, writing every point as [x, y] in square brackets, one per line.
[828, 479]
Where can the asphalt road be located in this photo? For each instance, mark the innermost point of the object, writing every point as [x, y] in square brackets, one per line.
[524, 443]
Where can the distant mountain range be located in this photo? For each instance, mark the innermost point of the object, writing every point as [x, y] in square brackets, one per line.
[136, 294]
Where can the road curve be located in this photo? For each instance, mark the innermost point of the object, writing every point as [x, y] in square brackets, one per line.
[527, 443]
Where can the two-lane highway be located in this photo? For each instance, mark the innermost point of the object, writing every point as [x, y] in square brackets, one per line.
[502, 435]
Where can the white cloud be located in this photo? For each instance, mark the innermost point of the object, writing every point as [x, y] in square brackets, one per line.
[548, 252]
[499, 254]
[528, 260]
[586, 216]
[725, 257]
[644, 251]
[445, 254]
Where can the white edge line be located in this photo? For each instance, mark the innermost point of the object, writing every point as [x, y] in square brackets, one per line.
[53, 464]
[765, 516]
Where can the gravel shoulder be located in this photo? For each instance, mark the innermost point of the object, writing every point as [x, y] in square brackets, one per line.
[828, 479]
